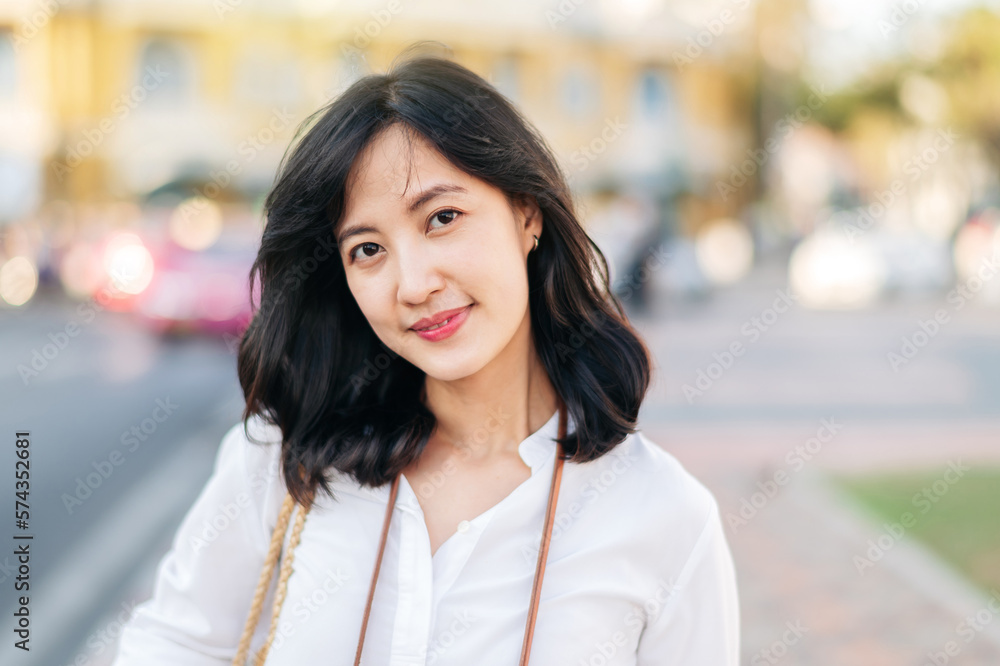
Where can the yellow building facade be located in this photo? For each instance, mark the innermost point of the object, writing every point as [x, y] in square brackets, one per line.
[106, 102]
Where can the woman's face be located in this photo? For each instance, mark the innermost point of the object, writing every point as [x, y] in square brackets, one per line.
[443, 242]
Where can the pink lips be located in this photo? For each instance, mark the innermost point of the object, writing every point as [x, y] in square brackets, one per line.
[448, 329]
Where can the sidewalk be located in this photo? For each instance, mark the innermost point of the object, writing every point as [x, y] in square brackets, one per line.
[803, 598]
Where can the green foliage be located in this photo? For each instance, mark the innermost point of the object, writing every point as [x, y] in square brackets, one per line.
[962, 525]
[840, 108]
[968, 69]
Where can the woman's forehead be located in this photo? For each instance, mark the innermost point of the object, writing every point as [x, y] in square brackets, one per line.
[396, 167]
[395, 160]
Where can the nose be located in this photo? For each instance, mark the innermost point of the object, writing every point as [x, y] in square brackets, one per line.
[419, 273]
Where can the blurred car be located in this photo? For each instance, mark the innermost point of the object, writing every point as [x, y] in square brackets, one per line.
[203, 291]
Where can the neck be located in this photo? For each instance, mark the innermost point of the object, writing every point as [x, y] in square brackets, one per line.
[487, 415]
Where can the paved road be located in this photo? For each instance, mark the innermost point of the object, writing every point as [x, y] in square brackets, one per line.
[802, 364]
[89, 465]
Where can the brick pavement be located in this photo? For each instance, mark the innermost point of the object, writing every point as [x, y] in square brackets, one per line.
[795, 556]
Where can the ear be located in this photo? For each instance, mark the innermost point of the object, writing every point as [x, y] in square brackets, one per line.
[529, 216]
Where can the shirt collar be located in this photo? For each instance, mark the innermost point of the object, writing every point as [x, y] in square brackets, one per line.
[540, 445]
[535, 450]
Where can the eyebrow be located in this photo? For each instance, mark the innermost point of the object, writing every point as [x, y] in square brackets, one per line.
[417, 201]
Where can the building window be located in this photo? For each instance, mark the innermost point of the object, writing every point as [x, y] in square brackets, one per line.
[653, 101]
[8, 67]
[506, 77]
[167, 72]
[579, 92]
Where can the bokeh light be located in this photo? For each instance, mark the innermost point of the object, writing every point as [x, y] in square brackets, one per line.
[18, 280]
[828, 271]
[976, 243]
[80, 270]
[725, 251]
[196, 223]
[128, 263]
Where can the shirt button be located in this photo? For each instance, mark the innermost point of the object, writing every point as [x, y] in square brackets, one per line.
[463, 526]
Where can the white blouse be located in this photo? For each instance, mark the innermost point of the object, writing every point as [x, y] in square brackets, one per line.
[638, 573]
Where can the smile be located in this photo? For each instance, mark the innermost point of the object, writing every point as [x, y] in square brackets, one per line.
[444, 329]
[436, 326]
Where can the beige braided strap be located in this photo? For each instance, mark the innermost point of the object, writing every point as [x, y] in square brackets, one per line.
[273, 553]
[283, 576]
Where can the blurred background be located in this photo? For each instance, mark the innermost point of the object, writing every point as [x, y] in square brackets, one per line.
[798, 199]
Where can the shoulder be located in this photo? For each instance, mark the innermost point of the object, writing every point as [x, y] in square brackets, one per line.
[654, 476]
[253, 450]
[254, 443]
[667, 479]
[250, 455]
[651, 495]
[647, 507]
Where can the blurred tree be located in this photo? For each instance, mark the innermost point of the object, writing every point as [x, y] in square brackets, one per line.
[967, 70]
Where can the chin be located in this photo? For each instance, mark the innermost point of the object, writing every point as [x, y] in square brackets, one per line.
[447, 368]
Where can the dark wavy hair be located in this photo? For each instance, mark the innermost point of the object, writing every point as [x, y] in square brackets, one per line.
[310, 363]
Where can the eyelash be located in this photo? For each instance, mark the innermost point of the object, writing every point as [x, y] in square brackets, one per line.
[434, 216]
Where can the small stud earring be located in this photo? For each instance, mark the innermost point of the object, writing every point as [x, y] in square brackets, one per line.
[536, 241]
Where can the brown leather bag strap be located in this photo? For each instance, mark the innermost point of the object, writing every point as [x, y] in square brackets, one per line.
[543, 552]
[378, 565]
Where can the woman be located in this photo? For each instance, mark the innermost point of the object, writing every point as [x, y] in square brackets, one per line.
[442, 391]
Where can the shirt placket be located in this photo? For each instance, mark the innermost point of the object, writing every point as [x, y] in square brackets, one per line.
[450, 559]
[411, 626]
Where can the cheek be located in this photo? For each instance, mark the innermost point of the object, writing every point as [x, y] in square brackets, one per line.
[371, 300]
[495, 274]
[492, 252]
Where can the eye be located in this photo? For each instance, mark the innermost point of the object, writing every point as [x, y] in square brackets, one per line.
[369, 250]
[362, 247]
[450, 215]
